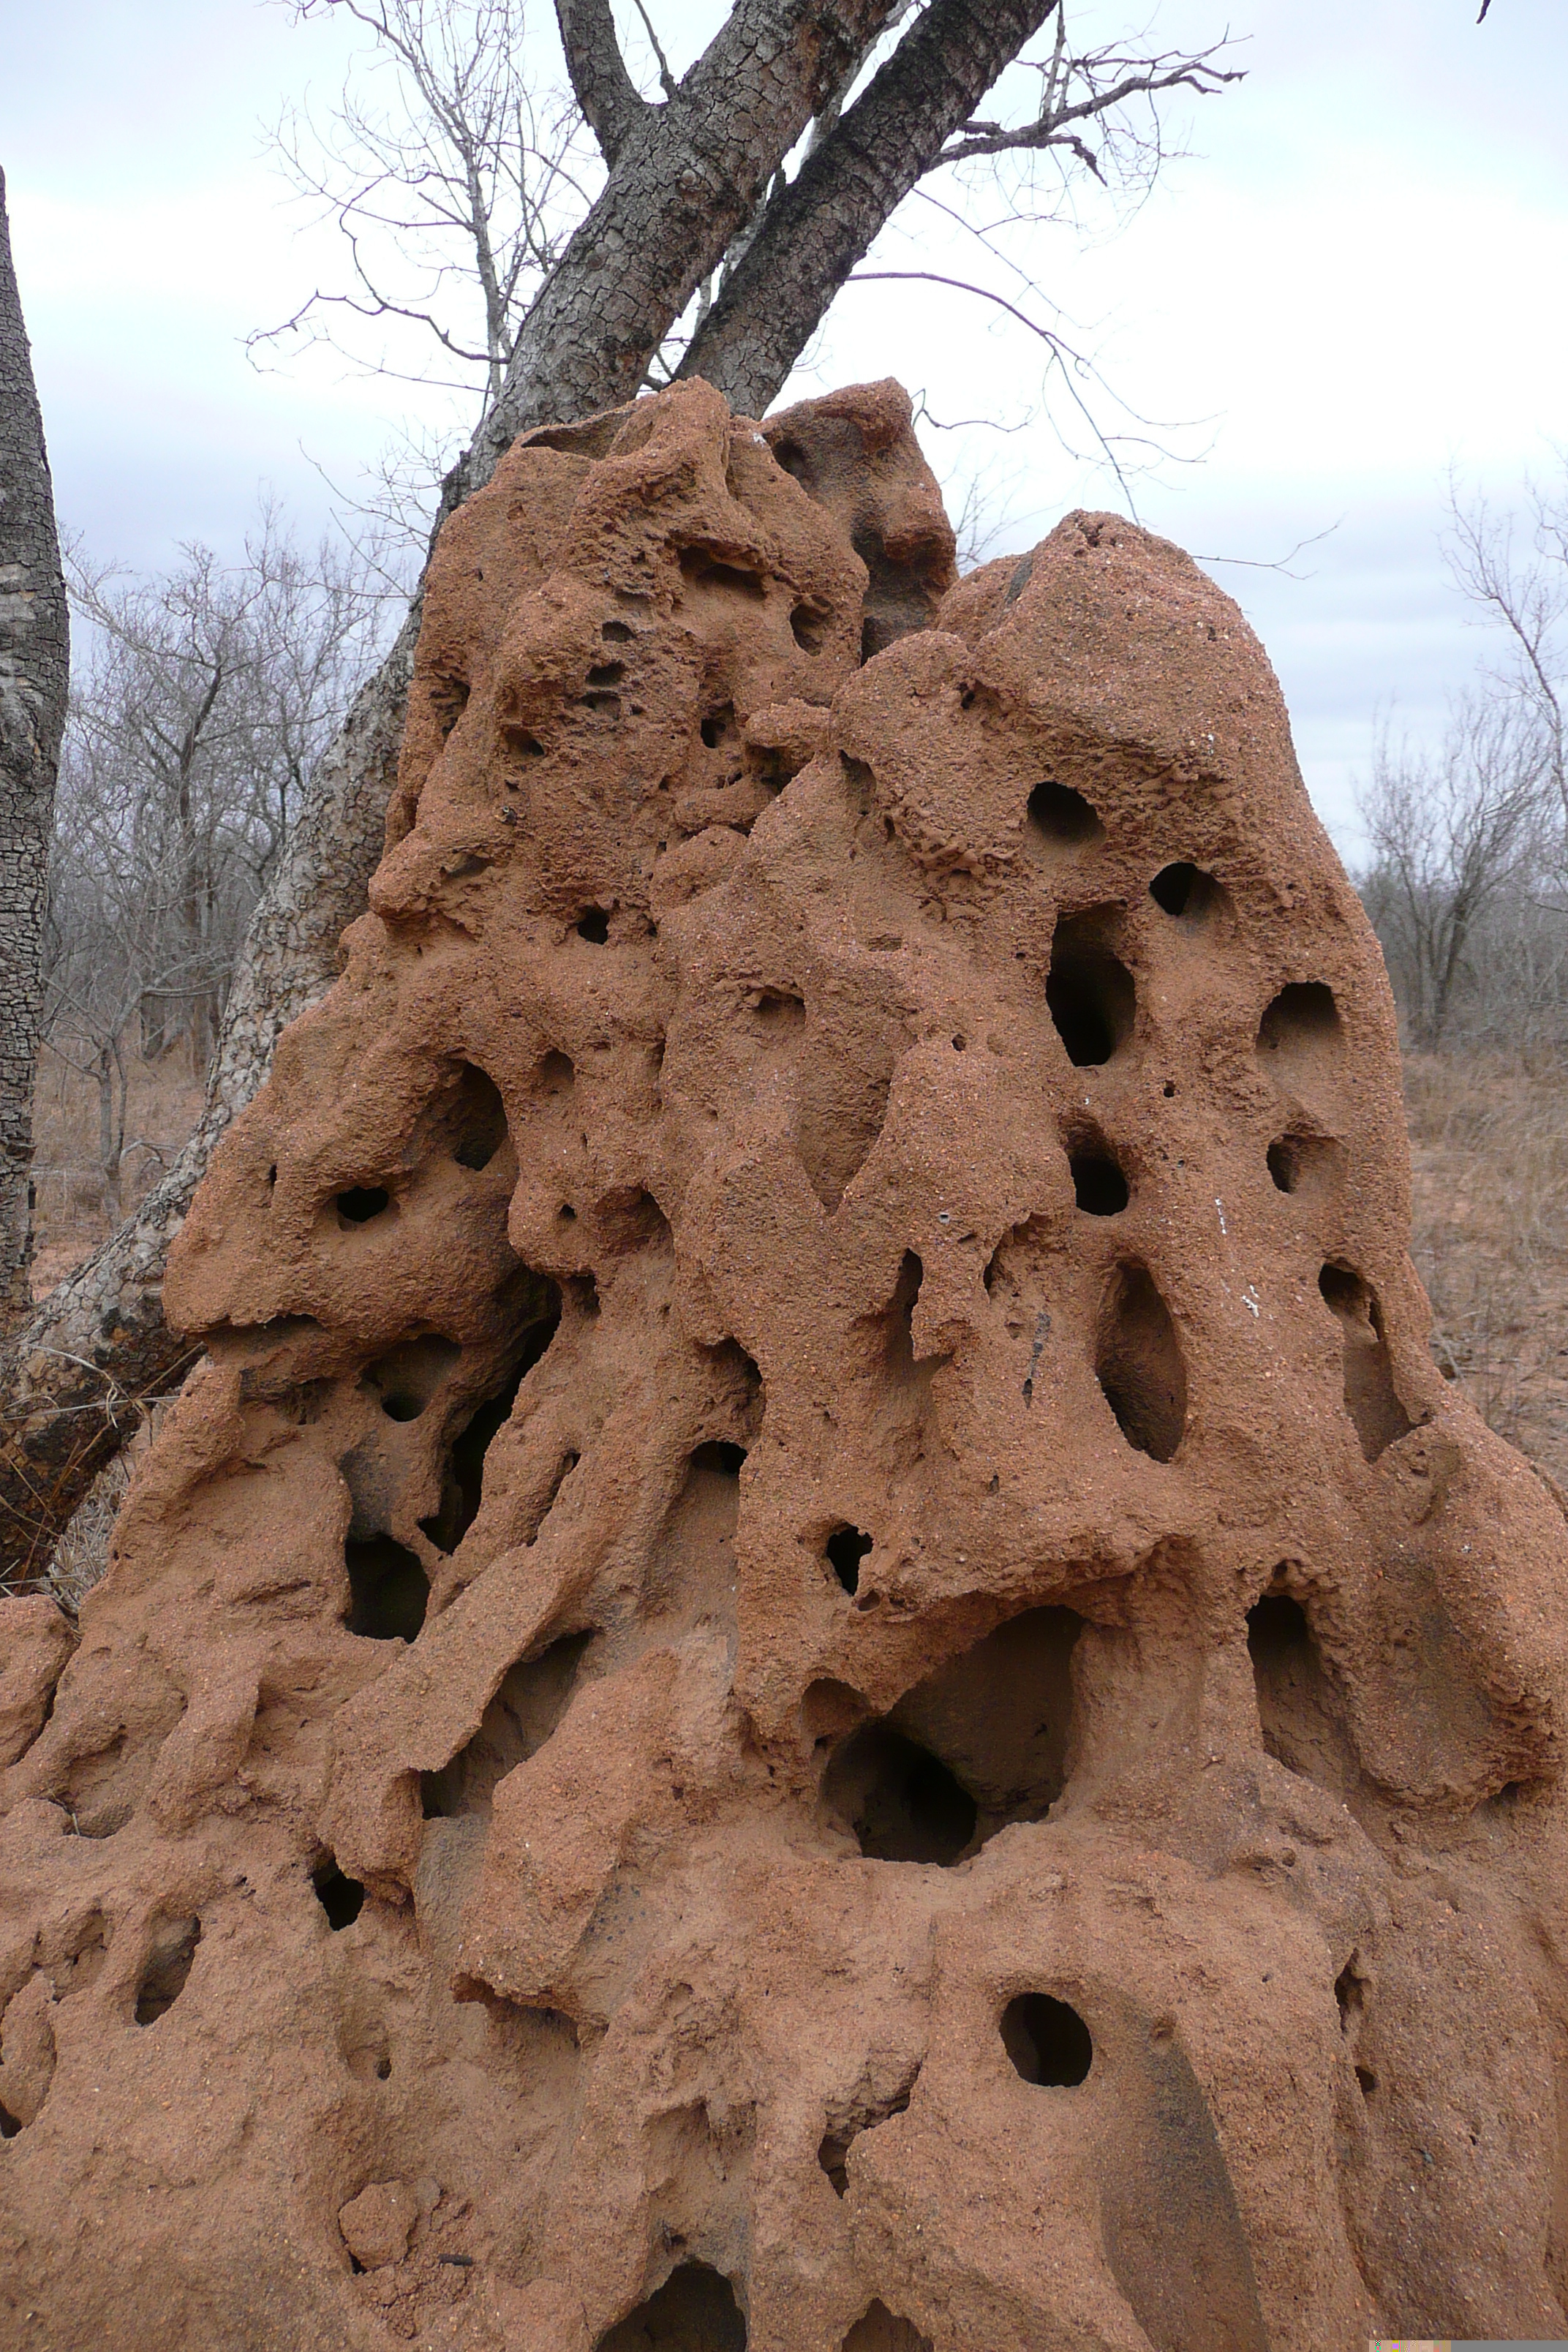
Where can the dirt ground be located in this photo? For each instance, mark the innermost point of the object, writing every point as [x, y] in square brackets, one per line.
[1488, 1139]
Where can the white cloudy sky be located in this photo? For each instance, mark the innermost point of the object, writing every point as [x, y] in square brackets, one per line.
[1350, 283]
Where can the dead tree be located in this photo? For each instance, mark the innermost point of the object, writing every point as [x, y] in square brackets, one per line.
[689, 179]
[34, 655]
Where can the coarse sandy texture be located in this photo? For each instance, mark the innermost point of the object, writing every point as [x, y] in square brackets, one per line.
[819, 1664]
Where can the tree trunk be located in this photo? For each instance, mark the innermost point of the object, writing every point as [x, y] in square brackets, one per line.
[107, 1145]
[821, 223]
[35, 653]
[684, 178]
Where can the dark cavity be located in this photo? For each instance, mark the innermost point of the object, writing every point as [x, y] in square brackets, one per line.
[1047, 2039]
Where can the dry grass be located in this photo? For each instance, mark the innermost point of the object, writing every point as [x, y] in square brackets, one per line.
[1489, 1139]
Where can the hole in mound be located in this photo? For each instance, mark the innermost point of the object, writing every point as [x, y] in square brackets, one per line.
[1300, 1713]
[340, 1897]
[700, 570]
[718, 727]
[902, 1801]
[608, 673]
[841, 1101]
[1366, 2081]
[615, 632]
[879, 2330]
[845, 1550]
[900, 1317]
[9, 2126]
[1185, 890]
[863, 2115]
[533, 1697]
[995, 1725]
[462, 1487]
[1057, 814]
[793, 458]
[555, 1075]
[808, 622]
[1047, 2039]
[775, 1012]
[1089, 991]
[363, 1201]
[694, 2311]
[1301, 1163]
[828, 1707]
[1138, 1363]
[1371, 1400]
[388, 1589]
[166, 1968]
[1098, 1186]
[521, 744]
[1299, 1034]
[1350, 1991]
[407, 1376]
[593, 925]
[472, 1122]
[448, 700]
[691, 1571]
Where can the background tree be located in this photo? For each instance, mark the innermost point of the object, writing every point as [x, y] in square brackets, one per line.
[692, 183]
[34, 655]
[203, 701]
[1453, 840]
[1468, 875]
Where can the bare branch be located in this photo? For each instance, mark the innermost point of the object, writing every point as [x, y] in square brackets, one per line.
[1051, 128]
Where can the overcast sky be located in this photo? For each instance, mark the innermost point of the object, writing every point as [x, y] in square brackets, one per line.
[1352, 282]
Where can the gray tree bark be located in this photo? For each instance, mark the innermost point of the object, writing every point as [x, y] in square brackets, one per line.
[820, 224]
[685, 178]
[34, 657]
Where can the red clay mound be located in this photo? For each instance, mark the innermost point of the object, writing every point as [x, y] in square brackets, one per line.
[818, 1665]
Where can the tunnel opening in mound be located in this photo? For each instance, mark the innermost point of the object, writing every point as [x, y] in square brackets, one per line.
[466, 1116]
[407, 1379]
[1301, 1036]
[359, 1203]
[462, 1485]
[1088, 991]
[690, 1577]
[1061, 817]
[1371, 1398]
[862, 2114]
[1301, 1711]
[694, 2311]
[339, 1896]
[1100, 1187]
[166, 1968]
[982, 1742]
[1302, 1163]
[388, 1589]
[1139, 1364]
[1187, 893]
[902, 1801]
[845, 1550]
[881, 2330]
[533, 1697]
[1047, 2039]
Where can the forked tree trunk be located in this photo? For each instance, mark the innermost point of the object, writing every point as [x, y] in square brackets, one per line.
[34, 652]
[684, 178]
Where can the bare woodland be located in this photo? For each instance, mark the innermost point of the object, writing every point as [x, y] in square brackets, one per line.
[550, 236]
